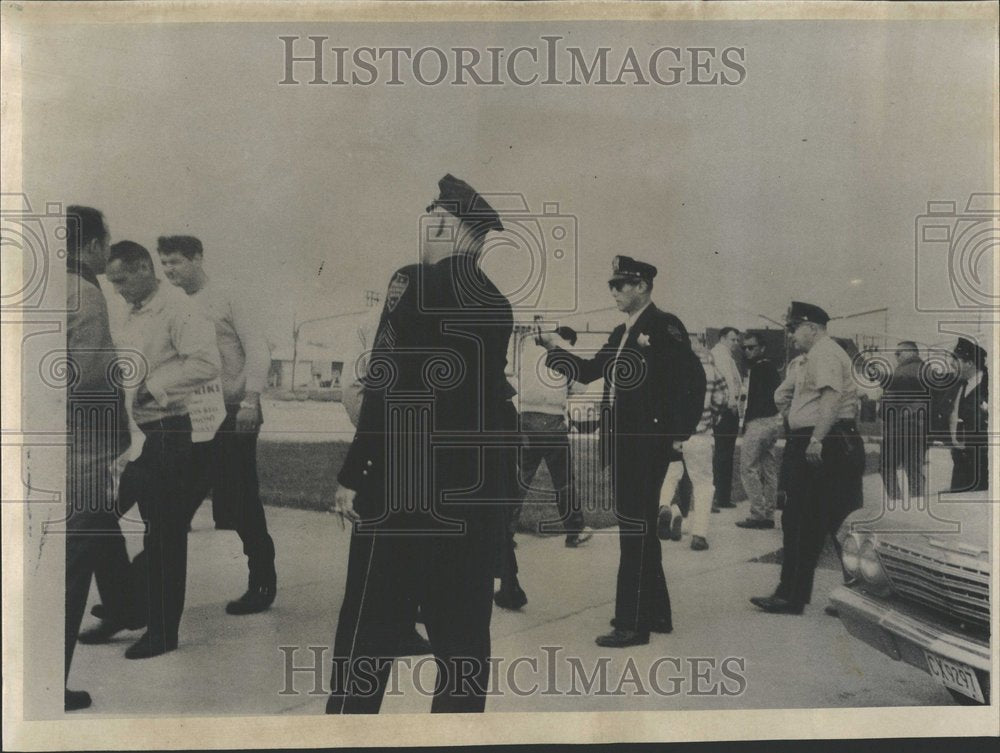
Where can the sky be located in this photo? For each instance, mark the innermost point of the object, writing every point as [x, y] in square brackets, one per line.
[804, 182]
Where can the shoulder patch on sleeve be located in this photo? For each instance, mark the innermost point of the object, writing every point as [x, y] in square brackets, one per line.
[397, 287]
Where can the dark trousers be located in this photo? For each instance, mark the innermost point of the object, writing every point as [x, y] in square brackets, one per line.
[94, 546]
[725, 432]
[904, 445]
[227, 467]
[159, 482]
[451, 577]
[641, 596]
[970, 469]
[547, 439]
[819, 498]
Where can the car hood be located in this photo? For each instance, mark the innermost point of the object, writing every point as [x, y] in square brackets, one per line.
[964, 527]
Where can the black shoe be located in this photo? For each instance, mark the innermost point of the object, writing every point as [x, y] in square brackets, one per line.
[622, 639]
[510, 598]
[413, 644]
[130, 623]
[831, 610]
[150, 645]
[659, 625]
[724, 505]
[574, 540]
[699, 543]
[103, 632]
[755, 523]
[74, 700]
[256, 599]
[776, 605]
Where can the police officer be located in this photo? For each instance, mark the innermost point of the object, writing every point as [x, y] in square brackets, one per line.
[824, 456]
[655, 386]
[428, 466]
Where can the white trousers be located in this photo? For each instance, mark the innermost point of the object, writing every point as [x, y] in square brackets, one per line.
[698, 460]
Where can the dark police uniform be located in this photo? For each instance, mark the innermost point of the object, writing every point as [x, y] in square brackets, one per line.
[819, 497]
[430, 467]
[658, 395]
[970, 424]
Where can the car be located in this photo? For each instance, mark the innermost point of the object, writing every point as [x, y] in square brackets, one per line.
[917, 587]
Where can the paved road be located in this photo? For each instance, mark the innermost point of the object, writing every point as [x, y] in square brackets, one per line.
[233, 665]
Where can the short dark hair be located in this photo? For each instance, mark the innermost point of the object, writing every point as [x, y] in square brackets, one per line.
[752, 336]
[187, 245]
[726, 330]
[907, 345]
[130, 254]
[83, 225]
[567, 333]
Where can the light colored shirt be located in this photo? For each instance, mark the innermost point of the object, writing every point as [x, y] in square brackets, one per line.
[783, 394]
[716, 393]
[539, 388]
[246, 357]
[725, 364]
[825, 366]
[178, 344]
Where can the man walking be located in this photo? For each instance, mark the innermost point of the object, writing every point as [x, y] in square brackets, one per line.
[697, 461]
[655, 386]
[905, 412]
[97, 426]
[824, 457]
[178, 345]
[227, 466]
[430, 464]
[762, 425]
[724, 354]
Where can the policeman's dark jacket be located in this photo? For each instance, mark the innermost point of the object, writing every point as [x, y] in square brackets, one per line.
[436, 403]
[660, 385]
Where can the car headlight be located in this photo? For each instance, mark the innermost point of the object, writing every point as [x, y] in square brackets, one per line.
[850, 555]
[871, 569]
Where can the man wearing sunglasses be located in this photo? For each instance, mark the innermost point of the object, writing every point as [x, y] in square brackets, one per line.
[655, 385]
[824, 457]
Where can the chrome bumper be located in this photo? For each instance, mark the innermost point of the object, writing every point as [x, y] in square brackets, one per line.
[903, 637]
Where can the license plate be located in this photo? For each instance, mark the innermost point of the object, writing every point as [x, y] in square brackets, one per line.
[958, 677]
